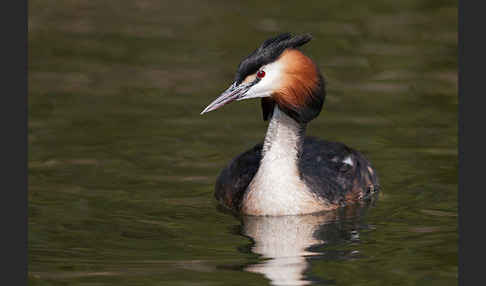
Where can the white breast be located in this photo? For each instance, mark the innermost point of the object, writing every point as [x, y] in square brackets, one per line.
[276, 188]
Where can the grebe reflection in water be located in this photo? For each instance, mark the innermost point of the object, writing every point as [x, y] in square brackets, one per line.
[288, 243]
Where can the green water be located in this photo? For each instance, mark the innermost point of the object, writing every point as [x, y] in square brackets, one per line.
[122, 166]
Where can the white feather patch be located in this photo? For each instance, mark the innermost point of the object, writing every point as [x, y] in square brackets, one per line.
[348, 161]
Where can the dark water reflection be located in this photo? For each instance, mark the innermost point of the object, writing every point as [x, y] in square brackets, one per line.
[287, 243]
[122, 166]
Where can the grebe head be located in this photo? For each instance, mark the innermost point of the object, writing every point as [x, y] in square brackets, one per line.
[278, 73]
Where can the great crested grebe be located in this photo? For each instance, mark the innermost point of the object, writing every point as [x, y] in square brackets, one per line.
[289, 173]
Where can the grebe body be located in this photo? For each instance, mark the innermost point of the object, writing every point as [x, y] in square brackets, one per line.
[289, 173]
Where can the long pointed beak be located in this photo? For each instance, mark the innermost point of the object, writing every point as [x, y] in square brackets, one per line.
[233, 93]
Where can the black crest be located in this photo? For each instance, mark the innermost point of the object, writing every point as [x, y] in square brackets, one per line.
[268, 52]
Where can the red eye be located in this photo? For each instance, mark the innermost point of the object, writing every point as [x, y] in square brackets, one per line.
[260, 74]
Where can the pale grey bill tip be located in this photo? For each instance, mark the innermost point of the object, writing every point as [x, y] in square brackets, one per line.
[226, 97]
[204, 111]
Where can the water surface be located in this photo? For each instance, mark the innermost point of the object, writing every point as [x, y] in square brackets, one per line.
[122, 166]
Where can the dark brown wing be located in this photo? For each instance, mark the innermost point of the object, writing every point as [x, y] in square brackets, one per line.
[234, 178]
[336, 172]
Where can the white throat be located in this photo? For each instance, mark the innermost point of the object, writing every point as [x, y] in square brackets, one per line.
[282, 139]
[276, 188]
